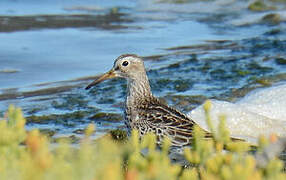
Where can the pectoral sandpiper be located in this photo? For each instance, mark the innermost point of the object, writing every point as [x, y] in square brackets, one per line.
[143, 111]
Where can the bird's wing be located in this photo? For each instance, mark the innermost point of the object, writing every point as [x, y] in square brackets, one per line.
[166, 121]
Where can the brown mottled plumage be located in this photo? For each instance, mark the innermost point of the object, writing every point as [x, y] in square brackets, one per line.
[143, 111]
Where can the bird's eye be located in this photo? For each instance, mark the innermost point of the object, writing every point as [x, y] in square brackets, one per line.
[125, 63]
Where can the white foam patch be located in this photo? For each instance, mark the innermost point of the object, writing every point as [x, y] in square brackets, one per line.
[261, 112]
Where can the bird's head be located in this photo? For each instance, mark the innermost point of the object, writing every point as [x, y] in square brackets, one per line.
[127, 66]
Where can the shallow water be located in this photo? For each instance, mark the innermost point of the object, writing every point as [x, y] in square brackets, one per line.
[49, 53]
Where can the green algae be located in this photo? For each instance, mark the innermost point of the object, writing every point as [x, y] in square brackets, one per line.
[243, 73]
[70, 102]
[163, 82]
[280, 61]
[184, 102]
[35, 110]
[118, 135]
[264, 82]
[181, 85]
[260, 6]
[47, 132]
[58, 118]
[280, 1]
[102, 116]
[106, 100]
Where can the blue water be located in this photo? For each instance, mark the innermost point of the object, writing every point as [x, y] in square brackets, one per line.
[50, 55]
[42, 57]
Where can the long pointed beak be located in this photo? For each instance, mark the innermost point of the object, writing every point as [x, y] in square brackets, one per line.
[110, 74]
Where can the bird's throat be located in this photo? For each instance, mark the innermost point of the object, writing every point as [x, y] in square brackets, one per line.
[138, 91]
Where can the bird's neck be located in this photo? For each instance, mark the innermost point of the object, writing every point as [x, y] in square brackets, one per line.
[138, 90]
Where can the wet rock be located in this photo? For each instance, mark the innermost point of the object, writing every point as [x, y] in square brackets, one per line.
[264, 82]
[273, 32]
[260, 6]
[102, 116]
[79, 131]
[174, 65]
[272, 19]
[9, 70]
[257, 67]
[238, 93]
[35, 110]
[48, 132]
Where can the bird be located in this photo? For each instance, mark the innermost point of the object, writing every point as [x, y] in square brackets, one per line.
[143, 111]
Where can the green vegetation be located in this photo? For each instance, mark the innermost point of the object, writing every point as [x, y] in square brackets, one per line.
[107, 117]
[280, 61]
[260, 5]
[30, 155]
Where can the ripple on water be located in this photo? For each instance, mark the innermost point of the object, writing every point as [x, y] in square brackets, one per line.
[190, 56]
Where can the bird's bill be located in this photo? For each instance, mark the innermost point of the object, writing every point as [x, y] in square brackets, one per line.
[110, 74]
